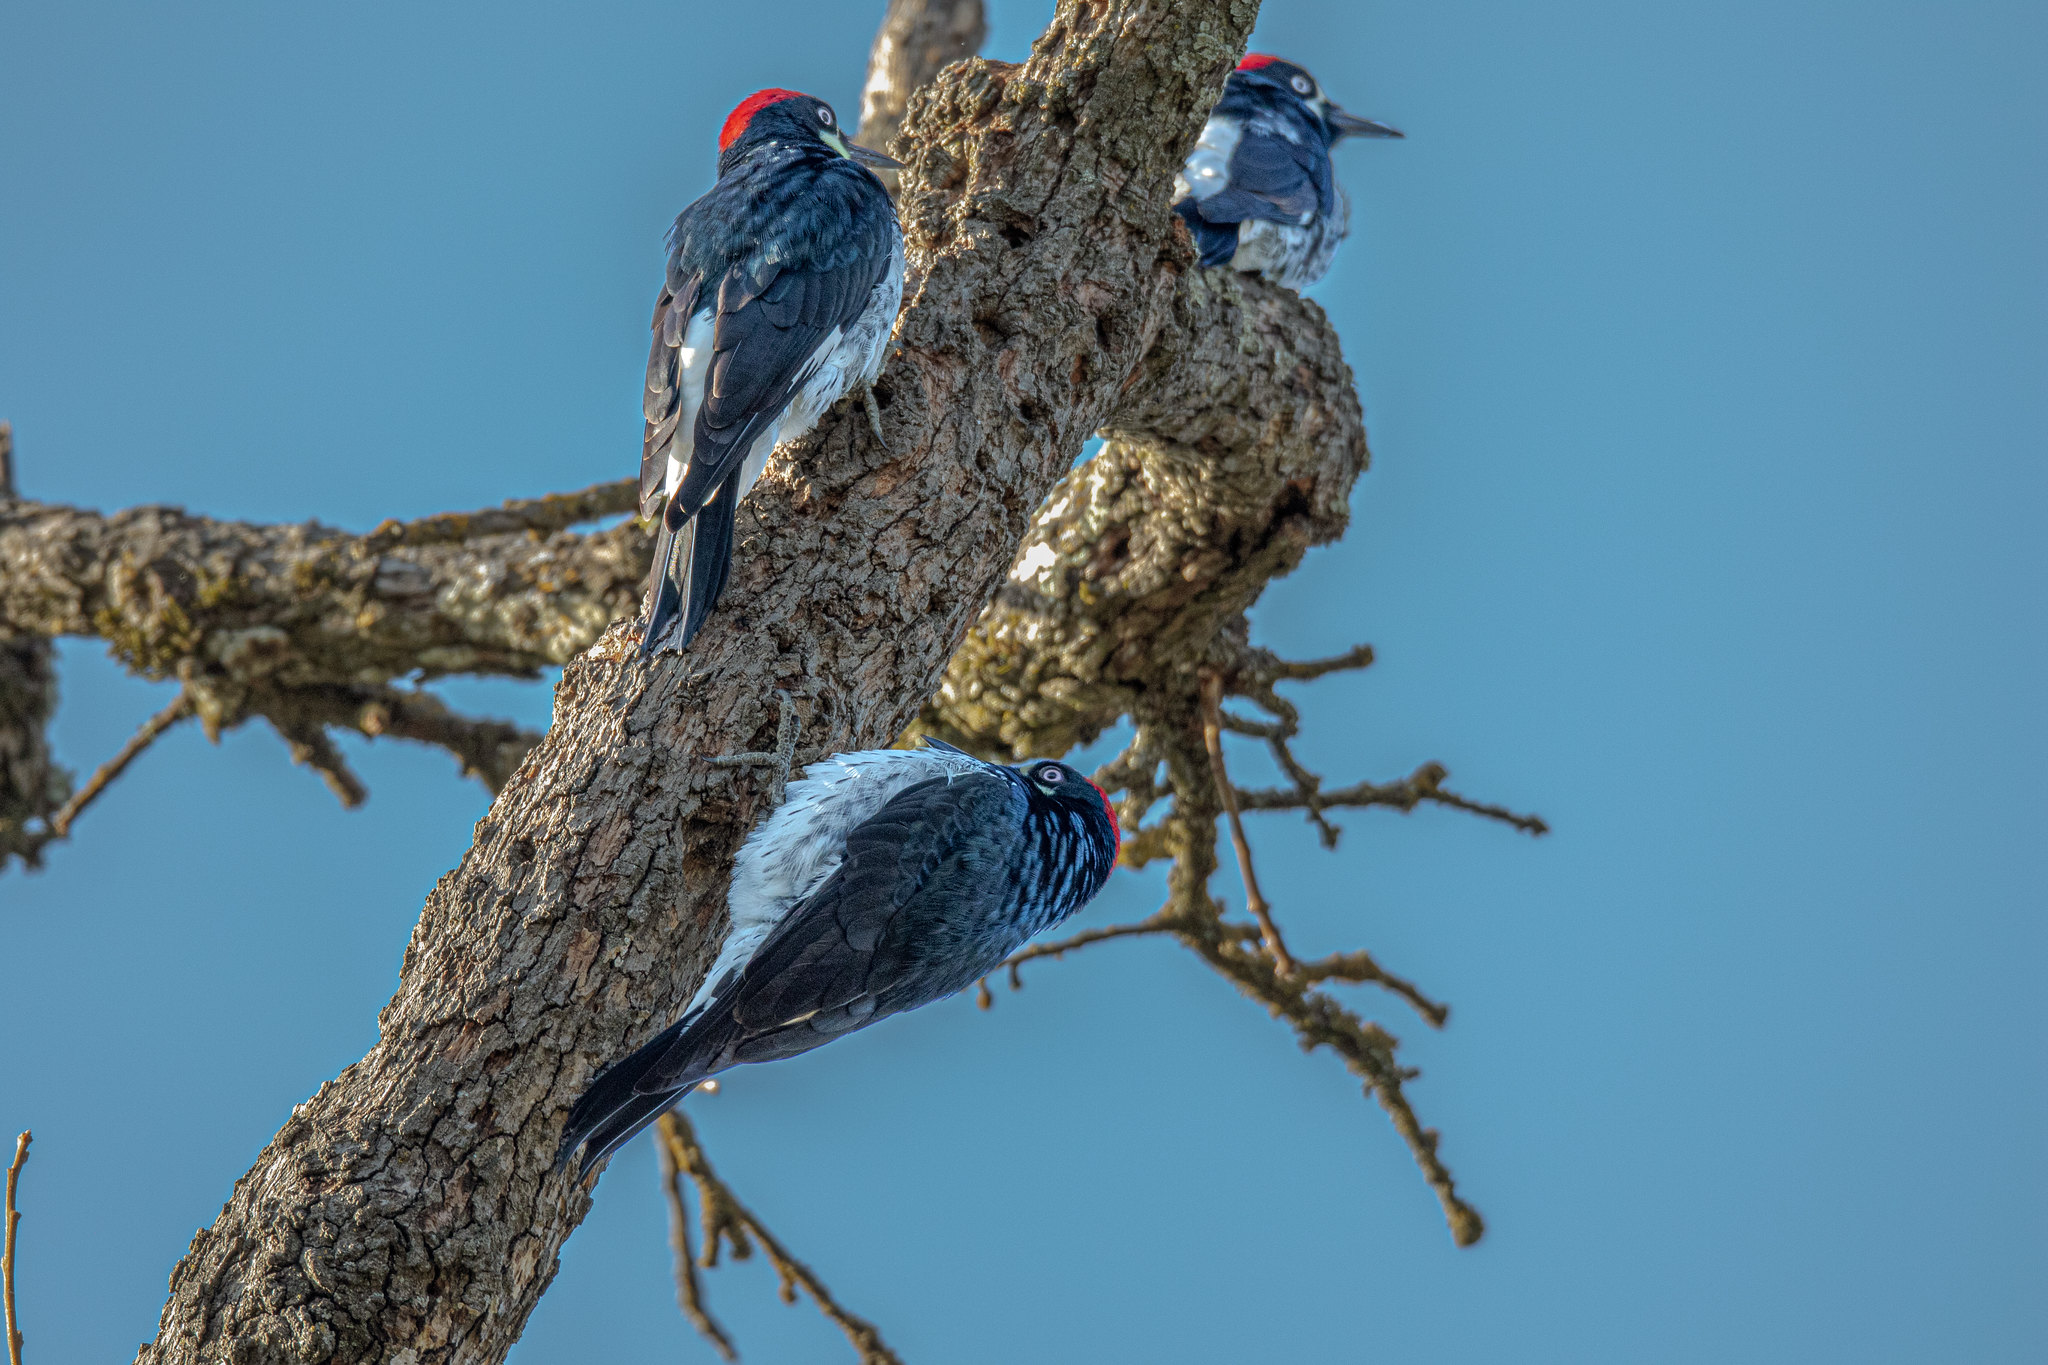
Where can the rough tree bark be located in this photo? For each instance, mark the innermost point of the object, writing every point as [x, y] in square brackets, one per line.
[33, 788]
[407, 1211]
[917, 40]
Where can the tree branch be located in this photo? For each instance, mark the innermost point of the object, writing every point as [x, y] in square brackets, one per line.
[689, 1288]
[180, 596]
[1318, 1020]
[1230, 453]
[33, 787]
[1226, 795]
[410, 1205]
[917, 40]
[1425, 784]
[529, 516]
[731, 1222]
[7, 1252]
[302, 626]
[179, 709]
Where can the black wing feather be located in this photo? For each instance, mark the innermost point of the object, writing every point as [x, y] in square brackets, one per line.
[662, 404]
[883, 934]
[849, 954]
[769, 330]
[1272, 177]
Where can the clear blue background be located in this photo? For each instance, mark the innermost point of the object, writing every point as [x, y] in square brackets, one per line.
[1703, 348]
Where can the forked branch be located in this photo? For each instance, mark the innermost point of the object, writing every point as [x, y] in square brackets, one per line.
[728, 1222]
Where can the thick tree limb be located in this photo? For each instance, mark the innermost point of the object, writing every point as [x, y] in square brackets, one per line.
[408, 1210]
[33, 788]
[303, 626]
[1229, 455]
[180, 596]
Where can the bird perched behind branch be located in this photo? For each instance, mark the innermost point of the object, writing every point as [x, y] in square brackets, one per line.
[783, 282]
[1257, 191]
[886, 880]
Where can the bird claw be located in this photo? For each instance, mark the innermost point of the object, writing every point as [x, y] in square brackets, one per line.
[785, 748]
[867, 400]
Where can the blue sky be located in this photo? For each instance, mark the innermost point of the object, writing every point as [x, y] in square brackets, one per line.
[1702, 350]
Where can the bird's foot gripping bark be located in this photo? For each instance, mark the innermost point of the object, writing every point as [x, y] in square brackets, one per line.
[785, 748]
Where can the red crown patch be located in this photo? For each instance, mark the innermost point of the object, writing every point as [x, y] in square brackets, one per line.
[737, 121]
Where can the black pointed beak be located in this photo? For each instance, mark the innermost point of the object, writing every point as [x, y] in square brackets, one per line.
[1351, 125]
[868, 156]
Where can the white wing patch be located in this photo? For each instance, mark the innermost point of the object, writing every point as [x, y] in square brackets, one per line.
[796, 848]
[1208, 165]
[845, 357]
[693, 363]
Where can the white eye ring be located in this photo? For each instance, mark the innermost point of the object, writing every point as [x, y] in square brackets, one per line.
[824, 116]
[1051, 774]
[1303, 85]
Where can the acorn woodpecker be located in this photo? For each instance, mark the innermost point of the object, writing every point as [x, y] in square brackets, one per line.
[783, 282]
[1257, 191]
[887, 879]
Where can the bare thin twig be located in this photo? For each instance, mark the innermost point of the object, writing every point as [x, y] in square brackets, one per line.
[179, 709]
[311, 746]
[1425, 784]
[1362, 967]
[7, 1254]
[689, 1289]
[1161, 922]
[1255, 901]
[553, 512]
[1305, 670]
[1367, 1051]
[729, 1221]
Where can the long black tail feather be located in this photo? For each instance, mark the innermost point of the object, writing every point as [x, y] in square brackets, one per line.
[621, 1127]
[711, 557]
[691, 563]
[668, 583]
[612, 1110]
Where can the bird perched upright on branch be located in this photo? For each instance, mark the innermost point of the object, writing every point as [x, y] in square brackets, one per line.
[886, 880]
[1258, 192]
[783, 282]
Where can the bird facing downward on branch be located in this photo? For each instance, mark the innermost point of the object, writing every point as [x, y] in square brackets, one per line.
[1258, 191]
[887, 880]
[783, 282]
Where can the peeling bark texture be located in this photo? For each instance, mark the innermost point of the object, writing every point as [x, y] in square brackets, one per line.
[408, 1212]
[1233, 451]
[917, 40]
